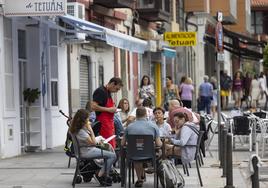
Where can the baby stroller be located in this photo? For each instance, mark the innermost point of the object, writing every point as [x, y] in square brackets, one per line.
[88, 167]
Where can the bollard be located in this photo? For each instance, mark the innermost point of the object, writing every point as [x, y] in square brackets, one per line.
[255, 176]
[224, 151]
[229, 162]
[221, 144]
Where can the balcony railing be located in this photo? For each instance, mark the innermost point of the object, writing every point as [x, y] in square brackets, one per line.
[115, 3]
[154, 10]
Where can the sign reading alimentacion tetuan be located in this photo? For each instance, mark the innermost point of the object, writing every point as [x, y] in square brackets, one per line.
[180, 38]
[35, 7]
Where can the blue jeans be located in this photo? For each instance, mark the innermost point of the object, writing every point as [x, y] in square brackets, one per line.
[205, 103]
[96, 152]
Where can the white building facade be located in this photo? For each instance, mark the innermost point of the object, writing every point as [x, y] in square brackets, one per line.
[31, 56]
[36, 54]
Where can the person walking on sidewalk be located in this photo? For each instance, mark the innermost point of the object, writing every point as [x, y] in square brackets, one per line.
[226, 85]
[238, 88]
[104, 107]
[187, 90]
[255, 91]
[205, 95]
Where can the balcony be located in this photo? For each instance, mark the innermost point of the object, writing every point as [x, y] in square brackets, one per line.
[115, 3]
[196, 6]
[228, 8]
[154, 10]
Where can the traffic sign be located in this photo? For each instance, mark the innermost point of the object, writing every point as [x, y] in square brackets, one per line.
[220, 57]
[219, 33]
[180, 38]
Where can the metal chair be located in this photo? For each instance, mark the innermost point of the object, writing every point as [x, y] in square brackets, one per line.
[140, 148]
[260, 114]
[197, 157]
[241, 127]
[263, 123]
[80, 159]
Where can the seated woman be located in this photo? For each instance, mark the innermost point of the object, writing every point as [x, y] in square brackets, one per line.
[124, 113]
[81, 127]
[186, 133]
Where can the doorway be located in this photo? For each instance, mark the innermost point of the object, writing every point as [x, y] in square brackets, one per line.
[85, 81]
[22, 86]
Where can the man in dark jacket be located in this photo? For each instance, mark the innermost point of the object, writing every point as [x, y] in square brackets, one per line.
[226, 86]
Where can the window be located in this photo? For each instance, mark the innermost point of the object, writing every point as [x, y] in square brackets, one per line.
[180, 13]
[54, 93]
[8, 64]
[167, 5]
[257, 22]
[171, 11]
[101, 75]
[22, 44]
[53, 40]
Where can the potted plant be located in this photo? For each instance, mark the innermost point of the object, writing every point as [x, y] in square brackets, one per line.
[30, 95]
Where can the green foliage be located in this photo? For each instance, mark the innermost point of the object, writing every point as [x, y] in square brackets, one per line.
[265, 57]
[30, 95]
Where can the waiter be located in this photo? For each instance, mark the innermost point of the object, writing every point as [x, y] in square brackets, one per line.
[104, 107]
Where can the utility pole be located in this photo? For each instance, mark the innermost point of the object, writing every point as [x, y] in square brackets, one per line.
[220, 59]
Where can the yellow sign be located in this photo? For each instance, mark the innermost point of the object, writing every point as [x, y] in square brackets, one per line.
[180, 38]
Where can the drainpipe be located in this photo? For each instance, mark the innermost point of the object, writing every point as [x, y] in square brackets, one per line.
[189, 51]
[69, 79]
[188, 15]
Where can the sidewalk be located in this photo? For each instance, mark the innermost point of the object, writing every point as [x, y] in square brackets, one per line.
[48, 169]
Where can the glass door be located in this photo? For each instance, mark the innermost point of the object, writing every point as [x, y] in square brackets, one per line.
[22, 86]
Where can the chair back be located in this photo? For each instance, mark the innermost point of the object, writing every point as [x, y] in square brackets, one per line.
[241, 125]
[199, 140]
[140, 147]
[260, 114]
[76, 146]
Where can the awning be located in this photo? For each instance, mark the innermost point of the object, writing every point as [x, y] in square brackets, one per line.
[243, 39]
[169, 52]
[245, 53]
[113, 38]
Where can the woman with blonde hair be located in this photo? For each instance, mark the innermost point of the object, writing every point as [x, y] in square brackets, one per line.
[187, 90]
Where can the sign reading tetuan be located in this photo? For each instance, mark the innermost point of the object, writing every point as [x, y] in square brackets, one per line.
[35, 7]
[180, 38]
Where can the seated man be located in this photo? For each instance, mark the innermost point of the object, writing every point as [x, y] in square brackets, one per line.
[164, 127]
[141, 127]
[186, 133]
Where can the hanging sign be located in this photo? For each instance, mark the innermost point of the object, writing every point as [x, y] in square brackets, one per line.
[219, 33]
[180, 38]
[35, 7]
